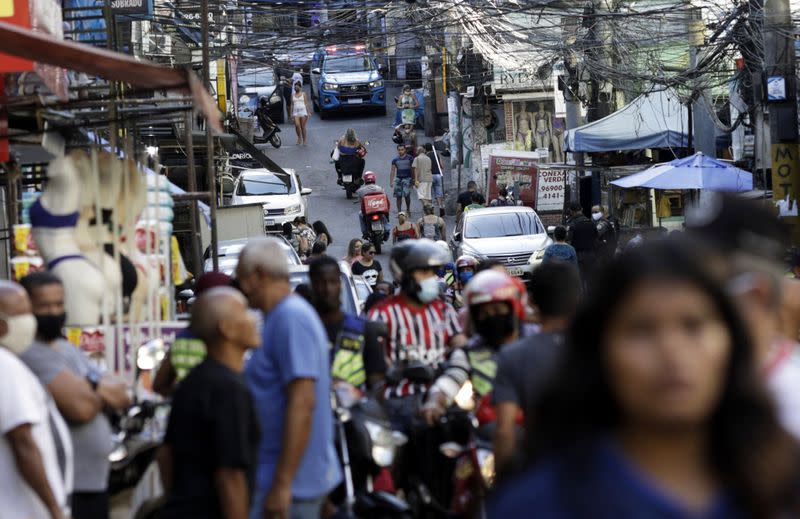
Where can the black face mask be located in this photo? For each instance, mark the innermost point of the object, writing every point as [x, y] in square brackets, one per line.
[49, 326]
[496, 328]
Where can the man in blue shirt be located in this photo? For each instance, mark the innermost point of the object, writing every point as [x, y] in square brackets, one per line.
[402, 178]
[289, 377]
[561, 250]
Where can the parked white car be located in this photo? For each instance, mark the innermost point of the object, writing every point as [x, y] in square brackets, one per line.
[283, 196]
[229, 251]
[512, 235]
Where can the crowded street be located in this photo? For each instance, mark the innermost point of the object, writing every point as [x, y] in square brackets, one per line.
[399, 259]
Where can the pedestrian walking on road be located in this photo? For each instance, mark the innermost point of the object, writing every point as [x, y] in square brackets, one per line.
[290, 380]
[353, 251]
[208, 458]
[35, 474]
[408, 104]
[465, 198]
[368, 266]
[431, 226]
[401, 178]
[286, 92]
[421, 170]
[80, 391]
[437, 182]
[561, 250]
[300, 113]
[644, 417]
[582, 234]
[321, 230]
[404, 230]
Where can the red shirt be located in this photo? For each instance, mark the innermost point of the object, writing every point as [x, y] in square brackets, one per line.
[416, 333]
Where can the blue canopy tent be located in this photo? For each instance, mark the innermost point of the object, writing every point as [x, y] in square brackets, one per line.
[654, 120]
[697, 171]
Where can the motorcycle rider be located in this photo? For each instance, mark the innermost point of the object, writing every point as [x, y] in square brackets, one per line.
[466, 266]
[422, 327]
[356, 344]
[496, 312]
[351, 156]
[370, 187]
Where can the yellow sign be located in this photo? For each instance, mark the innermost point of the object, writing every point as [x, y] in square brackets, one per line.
[221, 86]
[786, 184]
[6, 8]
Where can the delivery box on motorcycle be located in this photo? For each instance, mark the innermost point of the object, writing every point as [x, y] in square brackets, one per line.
[375, 203]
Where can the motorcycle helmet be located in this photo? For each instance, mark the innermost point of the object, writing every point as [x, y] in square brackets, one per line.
[396, 258]
[397, 138]
[463, 262]
[370, 177]
[263, 102]
[422, 254]
[492, 286]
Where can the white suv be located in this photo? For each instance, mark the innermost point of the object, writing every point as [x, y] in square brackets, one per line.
[283, 196]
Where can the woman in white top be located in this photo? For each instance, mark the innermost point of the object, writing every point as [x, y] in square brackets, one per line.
[300, 113]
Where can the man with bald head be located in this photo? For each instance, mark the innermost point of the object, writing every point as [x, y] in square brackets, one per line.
[32, 481]
[290, 379]
[208, 458]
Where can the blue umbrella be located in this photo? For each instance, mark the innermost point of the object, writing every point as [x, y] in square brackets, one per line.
[694, 172]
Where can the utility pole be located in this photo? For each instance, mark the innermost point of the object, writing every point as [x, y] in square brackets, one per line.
[780, 99]
[211, 176]
[703, 129]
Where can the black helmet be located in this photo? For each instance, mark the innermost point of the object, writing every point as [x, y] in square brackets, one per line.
[420, 254]
[263, 102]
[424, 254]
[397, 257]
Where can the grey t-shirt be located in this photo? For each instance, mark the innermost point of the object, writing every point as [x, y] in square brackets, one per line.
[91, 441]
[524, 367]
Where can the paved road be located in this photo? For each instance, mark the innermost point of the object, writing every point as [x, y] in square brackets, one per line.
[312, 162]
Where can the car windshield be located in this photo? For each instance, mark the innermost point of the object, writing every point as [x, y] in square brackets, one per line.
[265, 184]
[346, 296]
[348, 63]
[257, 77]
[503, 224]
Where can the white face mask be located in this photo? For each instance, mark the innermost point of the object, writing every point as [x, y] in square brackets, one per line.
[596, 216]
[21, 333]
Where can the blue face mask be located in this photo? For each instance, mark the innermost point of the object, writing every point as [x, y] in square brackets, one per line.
[428, 290]
[465, 276]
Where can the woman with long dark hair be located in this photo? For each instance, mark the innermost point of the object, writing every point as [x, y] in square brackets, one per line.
[322, 232]
[656, 409]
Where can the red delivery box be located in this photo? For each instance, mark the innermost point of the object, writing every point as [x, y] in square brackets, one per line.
[375, 203]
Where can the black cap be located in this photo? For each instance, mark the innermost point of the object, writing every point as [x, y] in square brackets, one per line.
[734, 224]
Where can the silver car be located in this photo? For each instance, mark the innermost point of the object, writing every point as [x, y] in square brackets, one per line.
[229, 251]
[512, 235]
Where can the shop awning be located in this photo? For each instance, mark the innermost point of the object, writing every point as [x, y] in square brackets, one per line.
[112, 66]
[653, 120]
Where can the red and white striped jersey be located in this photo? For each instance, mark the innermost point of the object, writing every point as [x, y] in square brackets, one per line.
[416, 334]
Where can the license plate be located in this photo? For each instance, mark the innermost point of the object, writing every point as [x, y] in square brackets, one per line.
[355, 101]
[269, 223]
[377, 226]
[347, 178]
[515, 271]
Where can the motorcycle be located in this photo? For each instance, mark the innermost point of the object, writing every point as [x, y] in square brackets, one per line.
[375, 211]
[137, 435]
[367, 447]
[269, 130]
[349, 169]
[474, 474]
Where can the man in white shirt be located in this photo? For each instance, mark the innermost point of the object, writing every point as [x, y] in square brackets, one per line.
[33, 467]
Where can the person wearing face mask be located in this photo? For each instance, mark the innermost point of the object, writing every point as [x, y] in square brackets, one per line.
[422, 329]
[606, 233]
[35, 462]
[465, 267]
[496, 312]
[80, 392]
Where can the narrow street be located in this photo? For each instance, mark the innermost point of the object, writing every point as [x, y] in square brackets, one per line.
[312, 163]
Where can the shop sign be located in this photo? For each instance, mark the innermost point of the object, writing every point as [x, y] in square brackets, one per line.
[550, 190]
[516, 170]
[138, 7]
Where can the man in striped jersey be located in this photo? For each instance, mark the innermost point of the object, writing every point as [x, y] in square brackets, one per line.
[423, 329]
